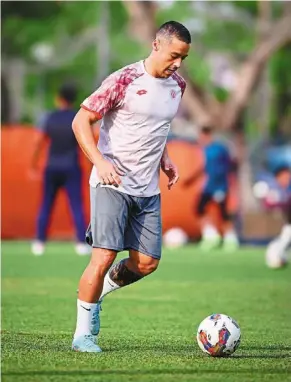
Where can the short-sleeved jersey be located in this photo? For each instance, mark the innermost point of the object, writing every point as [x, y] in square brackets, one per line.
[217, 166]
[63, 150]
[137, 110]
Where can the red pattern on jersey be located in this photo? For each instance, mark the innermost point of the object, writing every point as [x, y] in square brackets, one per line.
[111, 92]
[180, 81]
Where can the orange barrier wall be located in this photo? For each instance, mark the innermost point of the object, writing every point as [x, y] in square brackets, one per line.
[21, 196]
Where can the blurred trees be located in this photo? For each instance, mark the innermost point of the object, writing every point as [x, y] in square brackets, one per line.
[250, 37]
[238, 47]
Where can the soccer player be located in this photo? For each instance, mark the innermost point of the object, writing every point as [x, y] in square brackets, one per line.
[62, 168]
[276, 249]
[137, 104]
[217, 167]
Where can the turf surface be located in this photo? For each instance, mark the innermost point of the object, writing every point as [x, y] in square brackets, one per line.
[147, 329]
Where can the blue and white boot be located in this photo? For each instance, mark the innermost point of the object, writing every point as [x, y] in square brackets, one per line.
[86, 344]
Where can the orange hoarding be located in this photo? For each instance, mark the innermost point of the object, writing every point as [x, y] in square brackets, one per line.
[21, 195]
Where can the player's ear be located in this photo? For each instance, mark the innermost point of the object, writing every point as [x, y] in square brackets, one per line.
[156, 44]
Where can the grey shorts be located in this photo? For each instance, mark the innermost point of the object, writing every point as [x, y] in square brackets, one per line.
[122, 222]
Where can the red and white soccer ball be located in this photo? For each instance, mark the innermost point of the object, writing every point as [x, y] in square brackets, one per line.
[218, 335]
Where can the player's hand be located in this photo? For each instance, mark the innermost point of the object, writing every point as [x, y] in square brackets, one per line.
[108, 173]
[171, 171]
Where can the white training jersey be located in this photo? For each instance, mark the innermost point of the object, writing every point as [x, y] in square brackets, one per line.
[136, 110]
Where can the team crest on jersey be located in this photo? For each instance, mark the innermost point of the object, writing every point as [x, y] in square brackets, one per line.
[141, 92]
[173, 94]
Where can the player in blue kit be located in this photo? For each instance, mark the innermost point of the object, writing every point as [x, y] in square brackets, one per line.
[62, 169]
[276, 252]
[218, 166]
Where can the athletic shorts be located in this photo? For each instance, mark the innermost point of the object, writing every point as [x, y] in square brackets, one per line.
[219, 197]
[122, 222]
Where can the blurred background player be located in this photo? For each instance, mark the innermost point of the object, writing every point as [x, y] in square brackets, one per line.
[62, 169]
[276, 250]
[217, 167]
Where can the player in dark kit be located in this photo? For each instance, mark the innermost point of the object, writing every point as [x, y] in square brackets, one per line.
[217, 167]
[62, 169]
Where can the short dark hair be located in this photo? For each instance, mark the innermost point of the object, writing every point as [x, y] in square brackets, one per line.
[173, 28]
[68, 92]
[281, 168]
[206, 129]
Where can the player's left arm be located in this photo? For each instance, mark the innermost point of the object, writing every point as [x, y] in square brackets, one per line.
[169, 168]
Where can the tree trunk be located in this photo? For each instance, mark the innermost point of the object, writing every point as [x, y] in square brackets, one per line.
[249, 73]
[142, 20]
[5, 105]
[13, 71]
[103, 43]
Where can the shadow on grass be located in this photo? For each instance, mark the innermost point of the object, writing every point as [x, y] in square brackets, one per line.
[261, 356]
[142, 372]
[269, 348]
[180, 351]
[44, 344]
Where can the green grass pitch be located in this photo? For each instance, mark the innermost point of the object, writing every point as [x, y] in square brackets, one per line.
[147, 329]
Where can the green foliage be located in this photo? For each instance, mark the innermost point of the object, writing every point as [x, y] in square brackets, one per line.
[228, 36]
[179, 11]
[280, 76]
[24, 24]
[118, 19]
[220, 94]
[249, 6]
[198, 68]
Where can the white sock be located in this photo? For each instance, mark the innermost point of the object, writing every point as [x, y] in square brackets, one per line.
[108, 286]
[84, 316]
[209, 232]
[285, 236]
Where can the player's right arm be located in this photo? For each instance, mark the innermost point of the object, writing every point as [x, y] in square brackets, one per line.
[82, 127]
[93, 109]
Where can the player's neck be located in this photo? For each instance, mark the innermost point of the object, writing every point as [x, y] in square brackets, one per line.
[149, 65]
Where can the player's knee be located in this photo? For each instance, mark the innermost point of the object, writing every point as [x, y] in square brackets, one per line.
[101, 260]
[147, 268]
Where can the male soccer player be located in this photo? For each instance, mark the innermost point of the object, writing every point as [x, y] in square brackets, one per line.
[62, 168]
[276, 249]
[137, 104]
[217, 167]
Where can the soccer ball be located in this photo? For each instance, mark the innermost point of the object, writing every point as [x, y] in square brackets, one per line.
[275, 255]
[175, 238]
[218, 335]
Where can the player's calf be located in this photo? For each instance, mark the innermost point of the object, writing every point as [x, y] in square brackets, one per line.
[117, 277]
